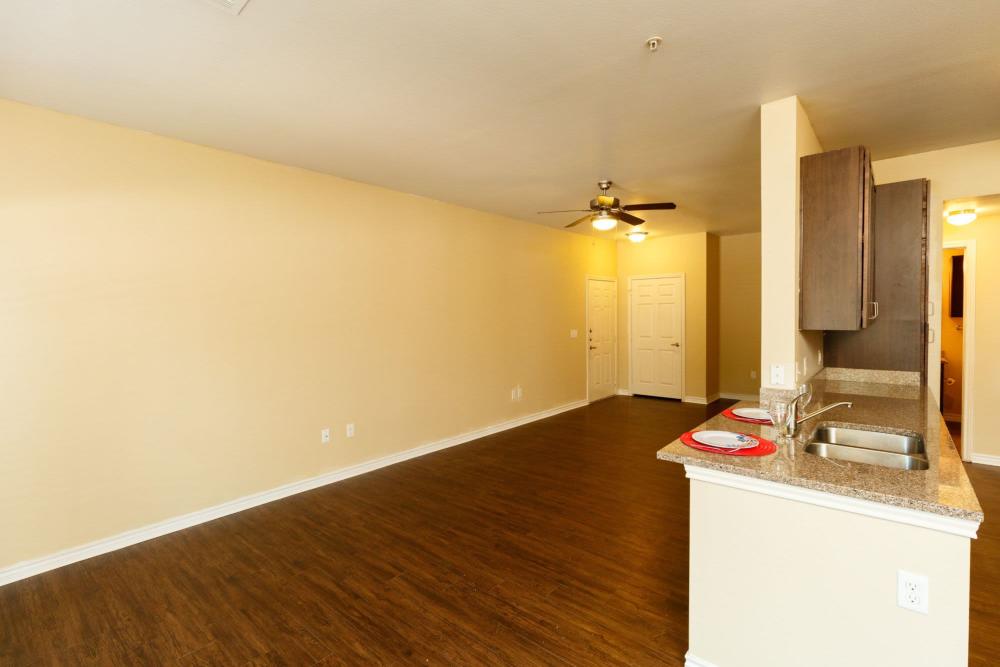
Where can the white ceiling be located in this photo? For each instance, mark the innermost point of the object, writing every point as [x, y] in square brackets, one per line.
[521, 105]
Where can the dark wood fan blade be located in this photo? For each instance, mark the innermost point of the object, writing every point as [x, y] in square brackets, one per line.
[630, 219]
[664, 206]
[569, 210]
[577, 222]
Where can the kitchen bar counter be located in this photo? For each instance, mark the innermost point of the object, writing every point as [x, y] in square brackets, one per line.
[943, 489]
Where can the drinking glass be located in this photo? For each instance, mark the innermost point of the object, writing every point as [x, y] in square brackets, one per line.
[778, 409]
[806, 391]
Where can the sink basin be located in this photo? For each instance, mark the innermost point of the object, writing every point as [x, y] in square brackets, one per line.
[873, 457]
[855, 437]
[889, 450]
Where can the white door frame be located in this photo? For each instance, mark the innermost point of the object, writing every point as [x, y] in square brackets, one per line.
[586, 327]
[968, 341]
[631, 366]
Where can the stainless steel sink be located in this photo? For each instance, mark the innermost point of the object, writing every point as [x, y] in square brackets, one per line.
[890, 450]
[855, 437]
[870, 456]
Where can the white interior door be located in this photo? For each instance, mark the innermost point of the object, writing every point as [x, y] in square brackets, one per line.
[602, 338]
[657, 336]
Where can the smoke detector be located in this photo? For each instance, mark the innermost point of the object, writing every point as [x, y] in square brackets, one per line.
[234, 7]
[653, 43]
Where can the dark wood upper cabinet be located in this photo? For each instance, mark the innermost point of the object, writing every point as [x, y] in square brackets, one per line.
[836, 247]
[896, 339]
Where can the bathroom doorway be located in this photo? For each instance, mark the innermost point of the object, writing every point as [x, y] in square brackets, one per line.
[952, 337]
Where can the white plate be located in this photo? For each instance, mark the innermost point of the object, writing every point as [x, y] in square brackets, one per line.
[724, 439]
[752, 413]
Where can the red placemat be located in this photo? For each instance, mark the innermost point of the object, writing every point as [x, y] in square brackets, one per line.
[763, 448]
[728, 413]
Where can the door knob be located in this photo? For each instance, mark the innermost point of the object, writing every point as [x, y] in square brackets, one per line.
[593, 347]
[676, 344]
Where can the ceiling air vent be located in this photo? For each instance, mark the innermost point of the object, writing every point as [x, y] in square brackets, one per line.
[232, 6]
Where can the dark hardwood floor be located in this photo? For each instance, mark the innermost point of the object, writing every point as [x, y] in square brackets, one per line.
[563, 542]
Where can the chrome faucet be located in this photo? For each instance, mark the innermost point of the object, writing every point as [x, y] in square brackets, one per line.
[790, 427]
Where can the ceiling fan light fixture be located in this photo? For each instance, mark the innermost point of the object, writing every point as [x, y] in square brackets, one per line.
[636, 236]
[604, 222]
[962, 217]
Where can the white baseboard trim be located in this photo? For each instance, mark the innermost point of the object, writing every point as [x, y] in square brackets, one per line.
[740, 397]
[940, 522]
[699, 400]
[30, 568]
[986, 459]
[691, 660]
[623, 392]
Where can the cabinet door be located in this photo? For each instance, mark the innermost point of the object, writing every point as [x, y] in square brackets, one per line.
[834, 215]
[895, 340]
[869, 242]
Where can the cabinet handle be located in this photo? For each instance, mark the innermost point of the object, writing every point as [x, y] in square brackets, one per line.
[874, 310]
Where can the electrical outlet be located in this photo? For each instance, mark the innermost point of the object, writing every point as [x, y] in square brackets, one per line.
[753, 375]
[913, 591]
[520, 393]
[777, 374]
[350, 430]
[573, 333]
[324, 436]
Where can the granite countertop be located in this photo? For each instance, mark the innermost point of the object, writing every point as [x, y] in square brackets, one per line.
[942, 489]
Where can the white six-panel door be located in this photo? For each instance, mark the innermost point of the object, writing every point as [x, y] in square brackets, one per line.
[602, 338]
[657, 336]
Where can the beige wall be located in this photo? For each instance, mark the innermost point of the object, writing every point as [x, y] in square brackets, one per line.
[786, 135]
[179, 323]
[826, 582]
[739, 323]
[687, 254]
[954, 173]
[982, 432]
[713, 315]
[951, 342]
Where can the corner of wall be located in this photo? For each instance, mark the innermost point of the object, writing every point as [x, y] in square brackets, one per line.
[786, 135]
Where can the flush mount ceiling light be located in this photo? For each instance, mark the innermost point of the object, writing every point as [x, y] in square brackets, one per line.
[232, 6]
[603, 221]
[963, 217]
[635, 236]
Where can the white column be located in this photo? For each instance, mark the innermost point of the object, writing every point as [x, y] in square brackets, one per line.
[785, 136]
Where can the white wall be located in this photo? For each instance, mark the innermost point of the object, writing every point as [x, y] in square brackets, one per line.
[827, 581]
[785, 136]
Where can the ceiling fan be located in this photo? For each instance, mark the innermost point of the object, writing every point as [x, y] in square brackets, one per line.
[605, 211]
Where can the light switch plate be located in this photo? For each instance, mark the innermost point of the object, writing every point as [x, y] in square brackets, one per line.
[777, 374]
